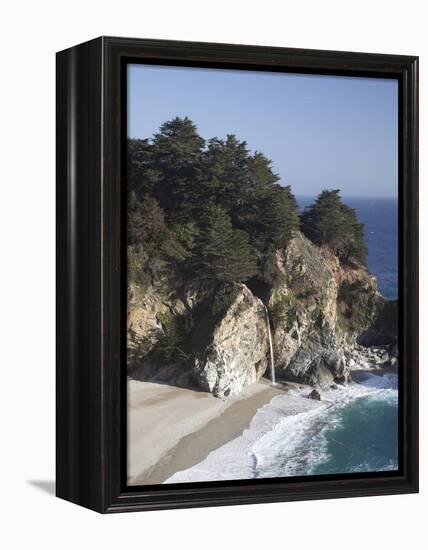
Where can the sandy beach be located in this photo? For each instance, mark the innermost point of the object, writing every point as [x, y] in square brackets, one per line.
[171, 429]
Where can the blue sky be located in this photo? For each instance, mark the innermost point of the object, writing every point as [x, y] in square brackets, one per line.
[320, 131]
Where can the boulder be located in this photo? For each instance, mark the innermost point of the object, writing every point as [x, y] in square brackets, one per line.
[308, 367]
[226, 348]
[315, 395]
[237, 354]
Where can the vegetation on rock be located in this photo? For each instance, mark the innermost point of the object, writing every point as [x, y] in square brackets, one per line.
[204, 217]
[334, 224]
[207, 210]
[357, 306]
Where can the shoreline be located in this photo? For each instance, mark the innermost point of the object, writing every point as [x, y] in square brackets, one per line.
[173, 429]
[164, 439]
[278, 442]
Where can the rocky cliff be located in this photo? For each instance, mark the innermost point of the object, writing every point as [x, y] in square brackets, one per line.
[215, 337]
[318, 311]
[212, 338]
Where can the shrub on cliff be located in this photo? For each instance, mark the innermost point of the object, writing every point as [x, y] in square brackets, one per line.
[170, 340]
[330, 222]
[357, 306]
[145, 219]
[155, 247]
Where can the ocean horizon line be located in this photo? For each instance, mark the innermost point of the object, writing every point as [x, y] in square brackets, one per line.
[370, 197]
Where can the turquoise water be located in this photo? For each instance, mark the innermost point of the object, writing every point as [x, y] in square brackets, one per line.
[352, 430]
[361, 437]
[355, 430]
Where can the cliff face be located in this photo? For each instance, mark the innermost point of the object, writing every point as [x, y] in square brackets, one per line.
[219, 342]
[237, 354]
[216, 337]
[318, 310]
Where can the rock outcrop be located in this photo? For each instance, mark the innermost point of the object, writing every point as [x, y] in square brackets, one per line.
[318, 311]
[384, 330]
[315, 394]
[224, 348]
[148, 310]
[215, 337]
[238, 352]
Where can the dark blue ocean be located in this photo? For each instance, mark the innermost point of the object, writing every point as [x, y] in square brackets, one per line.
[380, 218]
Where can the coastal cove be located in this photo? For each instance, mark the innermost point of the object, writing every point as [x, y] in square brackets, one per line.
[296, 436]
[262, 328]
[237, 312]
[267, 431]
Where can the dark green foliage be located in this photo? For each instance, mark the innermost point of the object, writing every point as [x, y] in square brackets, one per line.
[142, 174]
[224, 253]
[178, 341]
[279, 309]
[357, 305]
[330, 222]
[170, 340]
[306, 294]
[285, 311]
[214, 211]
[145, 219]
[177, 160]
[210, 211]
[268, 271]
[226, 173]
[137, 269]
[222, 299]
[384, 331]
[155, 248]
[349, 291]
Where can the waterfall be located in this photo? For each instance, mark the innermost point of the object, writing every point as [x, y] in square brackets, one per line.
[272, 360]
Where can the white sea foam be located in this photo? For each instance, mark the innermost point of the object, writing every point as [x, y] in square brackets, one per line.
[287, 437]
[387, 380]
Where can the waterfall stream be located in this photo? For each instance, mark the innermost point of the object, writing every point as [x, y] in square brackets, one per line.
[272, 360]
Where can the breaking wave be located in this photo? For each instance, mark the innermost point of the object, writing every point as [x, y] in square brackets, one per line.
[353, 429]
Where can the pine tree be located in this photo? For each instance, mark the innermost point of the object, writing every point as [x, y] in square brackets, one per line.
[220, 210]
[330, 222]
[270, 212]
[224, 254]
[177, 158]
[142, 177]
[145, 219]
[226, 173]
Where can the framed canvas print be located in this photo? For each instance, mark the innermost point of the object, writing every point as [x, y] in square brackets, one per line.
[236, 274]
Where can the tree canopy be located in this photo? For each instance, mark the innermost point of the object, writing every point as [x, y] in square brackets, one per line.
[215, 202]
[334, 224]
[213, 210]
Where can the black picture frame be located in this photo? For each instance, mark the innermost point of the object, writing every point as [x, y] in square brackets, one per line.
[91, 392]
